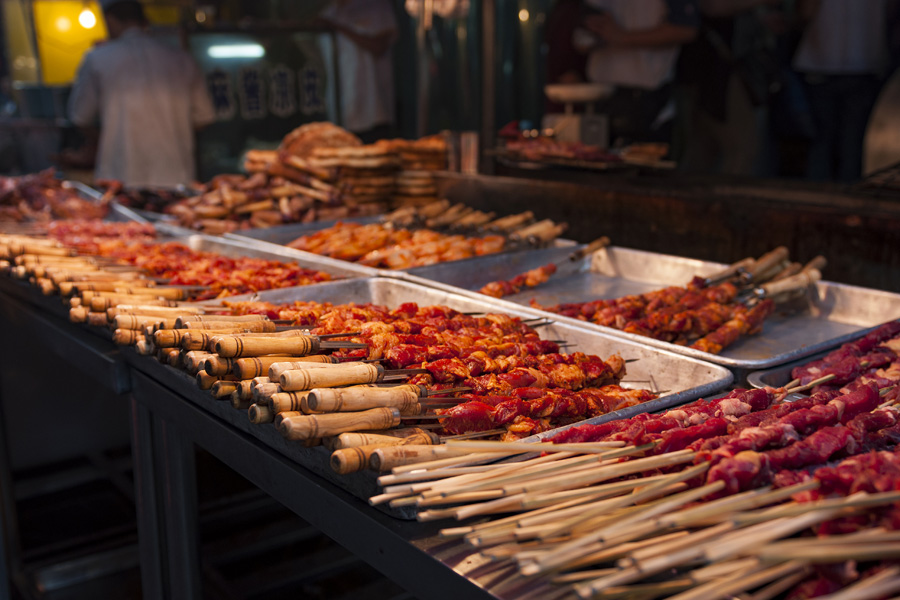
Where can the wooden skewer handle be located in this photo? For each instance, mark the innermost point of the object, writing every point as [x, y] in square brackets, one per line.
[288, 402]
[203, 318]
[731, 271]
[251, 326]
[301, 362]
[151, 311]
[194, 339]
[223, 389]
[245, 389]
[313, 426]
[66, 288]
[99, 303]
[159, 292]
[236, 347]
[358, 458]
[239, 403]
[767, 261]
[386, 458]
[597, 244]
[264, 391]
[362, 398]
[218, 366]
[78, 314]
[254, 366]
[139, 322]
[355, 439]
[307, 379]
[205, 381]
[260, 414]
[195, 360]
[126, 337]
[796, 282]
[818, 263]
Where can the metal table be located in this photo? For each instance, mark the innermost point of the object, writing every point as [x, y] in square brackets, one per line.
[167, 424]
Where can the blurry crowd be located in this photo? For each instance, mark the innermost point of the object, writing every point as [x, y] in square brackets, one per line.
[732, 84]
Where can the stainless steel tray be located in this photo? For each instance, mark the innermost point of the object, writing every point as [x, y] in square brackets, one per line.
[836, 312]
[680, 378]
[777, 377]
[250, 248]
[285, 234]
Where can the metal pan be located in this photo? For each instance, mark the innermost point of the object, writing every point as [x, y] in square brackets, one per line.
[777, 377]
[287, 233]
[682, 378]
[234, 247]
[835, 312]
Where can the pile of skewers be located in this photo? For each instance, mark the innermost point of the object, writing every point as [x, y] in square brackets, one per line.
[693, 503]
[99, 265]
[317, 384]
[408, 237]
[320, 172]
[707, 314]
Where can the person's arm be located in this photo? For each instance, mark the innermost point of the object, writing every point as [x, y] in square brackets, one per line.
[729, 8]
[84, 100]
[664, 34]
[376, 44]
[203, 112]
[679, 27]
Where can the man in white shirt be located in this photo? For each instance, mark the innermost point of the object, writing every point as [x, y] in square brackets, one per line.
[636, 47]
[366, 30]
[842, 56]
[146, 97]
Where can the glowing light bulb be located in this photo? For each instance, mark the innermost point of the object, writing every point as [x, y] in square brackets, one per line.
[523, 15]
[87, 19]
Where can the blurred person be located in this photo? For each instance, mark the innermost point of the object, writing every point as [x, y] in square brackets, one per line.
[147, 99]
[633, 45]
[727, 77]
[565, 64]
[366, 31]
[842, 57]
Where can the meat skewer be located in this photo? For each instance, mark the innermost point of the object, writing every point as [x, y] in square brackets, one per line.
[539, 275]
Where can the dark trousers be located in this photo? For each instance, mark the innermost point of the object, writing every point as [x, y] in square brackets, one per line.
[840, 105]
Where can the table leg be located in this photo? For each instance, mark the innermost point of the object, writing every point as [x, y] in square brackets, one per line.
[149, 518]
[178, 477]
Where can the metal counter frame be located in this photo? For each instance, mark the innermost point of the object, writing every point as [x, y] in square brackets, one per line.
[166, 426]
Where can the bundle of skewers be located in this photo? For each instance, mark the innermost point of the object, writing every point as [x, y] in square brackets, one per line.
[97, 265]
[709, 313]
[364, 369]
[759, 491]
[409, 237]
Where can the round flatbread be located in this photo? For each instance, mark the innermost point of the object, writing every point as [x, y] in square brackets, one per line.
[307, 138]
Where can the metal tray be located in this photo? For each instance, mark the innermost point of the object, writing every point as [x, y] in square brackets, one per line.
[682, 379]
[285, 234]
[249, 248]
[777, 377]
[835, 314]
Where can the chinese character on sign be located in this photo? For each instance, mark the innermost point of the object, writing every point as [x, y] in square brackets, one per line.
[311, 91]
[219, 84]
[282, 95]
[251, 93]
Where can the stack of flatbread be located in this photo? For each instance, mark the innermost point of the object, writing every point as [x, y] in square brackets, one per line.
[415, 185]
[362, 174]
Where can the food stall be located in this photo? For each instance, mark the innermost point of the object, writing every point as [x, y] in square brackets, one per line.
[452, 376]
